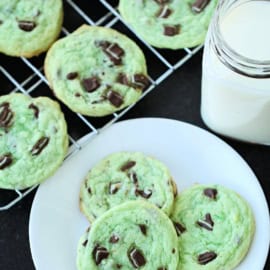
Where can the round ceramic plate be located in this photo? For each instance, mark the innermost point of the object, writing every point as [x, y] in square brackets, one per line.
[192, 155]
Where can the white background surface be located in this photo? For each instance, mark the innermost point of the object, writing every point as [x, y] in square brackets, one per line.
[192, 155]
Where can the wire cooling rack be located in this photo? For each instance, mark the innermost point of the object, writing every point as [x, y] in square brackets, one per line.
[27, 75]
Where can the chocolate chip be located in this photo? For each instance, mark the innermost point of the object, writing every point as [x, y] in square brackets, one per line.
[39, 146]
[143, 229]
[5, 161]
[140, 81]
[136, 258]
[123, 79]
[91, 84]
[89, 190]
[211, 193]
[114, 239]
[207, 223]
[27, 26]
[173, 250]
[114, 187]
[171, 30]
[77, 95]
[162, 2]
[162, 268]
[6, 115]
[199, 5]
[134, 178]
[118, 266]
[206, 257]
[145, 194]
[128, 165]
[85, 243]
[99, 254]
[164, 12]
[113, 50]
[115, 98]
[35, 109]
[179, 228]
[72, 75]
[1, 22]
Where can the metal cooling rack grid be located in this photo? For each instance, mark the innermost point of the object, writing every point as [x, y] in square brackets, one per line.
[27, 75]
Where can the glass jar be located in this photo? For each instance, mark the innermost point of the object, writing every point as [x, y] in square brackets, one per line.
[235, 97]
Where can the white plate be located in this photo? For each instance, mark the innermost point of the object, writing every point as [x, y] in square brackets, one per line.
[192, 155]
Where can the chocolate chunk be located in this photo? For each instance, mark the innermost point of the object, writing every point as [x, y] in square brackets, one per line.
[171, 30]
[128, 165]
[35, 109]
[145, 194]
[91, 84]
[114, 187]
[72, 75]
[5, 161]
[99, 254]
[140, 81]
[179, 228]
[27, 26]
[39, 146]
[143, 229]
[211, 193]
[206, 257]
[85, 243]
[115, 98]
[114, 239]
[162, 2]
[134, 178]
[123, 79]
[6, 115]
[162, 268]
[199, 5]
[164, 12]
[136, 258]
[207, 223]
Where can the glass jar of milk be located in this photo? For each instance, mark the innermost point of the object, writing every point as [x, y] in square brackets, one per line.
[236, 71]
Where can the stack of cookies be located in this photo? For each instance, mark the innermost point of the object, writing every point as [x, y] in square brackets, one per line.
[138, 220]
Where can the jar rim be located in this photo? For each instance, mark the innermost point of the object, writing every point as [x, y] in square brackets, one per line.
[234, 60]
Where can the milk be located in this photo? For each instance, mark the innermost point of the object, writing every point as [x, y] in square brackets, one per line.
[232, 104]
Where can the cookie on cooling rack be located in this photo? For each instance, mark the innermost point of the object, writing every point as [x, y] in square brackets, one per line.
[124, 176]
[172, 24]
[134, 235]
[96, 71]
[28, 28]
[33, 140]
[215, 228]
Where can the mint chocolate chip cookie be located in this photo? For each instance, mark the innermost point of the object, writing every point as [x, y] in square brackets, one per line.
[134, 235]
[33, 140]
[96, 71]
[28, 28]
[125, 176]
[171, 24]
[215, 228]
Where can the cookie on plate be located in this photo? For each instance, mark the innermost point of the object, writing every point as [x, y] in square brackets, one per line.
[215, 228]
[33, 140]
[126, 176]
[96, 71]
[134, 235]
[172, 24]
[28, 28]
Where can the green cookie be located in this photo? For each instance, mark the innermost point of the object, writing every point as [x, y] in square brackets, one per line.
[134, 235]
[96, 71]
[33, 140]
[126, 176]
[215, 228]
[29, 27]
[172, 24]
